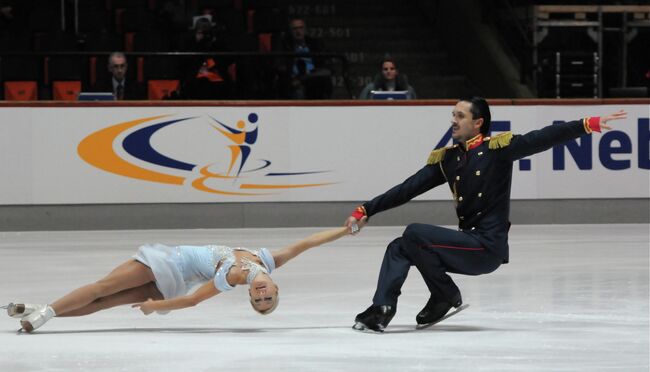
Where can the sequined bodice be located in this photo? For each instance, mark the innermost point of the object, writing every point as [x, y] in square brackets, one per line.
[204, 263]
[228, 260]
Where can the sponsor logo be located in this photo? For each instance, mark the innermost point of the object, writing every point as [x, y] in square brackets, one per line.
[205, 153]
[615, 148]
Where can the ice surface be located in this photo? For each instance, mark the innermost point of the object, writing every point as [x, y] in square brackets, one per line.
[572, 298]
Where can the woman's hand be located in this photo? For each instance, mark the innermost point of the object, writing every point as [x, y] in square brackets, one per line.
[146, 307]
[355, 225]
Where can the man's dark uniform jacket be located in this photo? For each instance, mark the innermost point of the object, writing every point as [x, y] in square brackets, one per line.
[479, 174]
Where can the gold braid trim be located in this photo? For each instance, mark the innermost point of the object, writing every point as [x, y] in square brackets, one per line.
[585, 123]
[500, 140]
[437, 155]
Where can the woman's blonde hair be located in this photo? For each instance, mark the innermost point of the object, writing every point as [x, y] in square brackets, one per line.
[270, 309]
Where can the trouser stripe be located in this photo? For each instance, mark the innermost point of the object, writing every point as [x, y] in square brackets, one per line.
[452, 247]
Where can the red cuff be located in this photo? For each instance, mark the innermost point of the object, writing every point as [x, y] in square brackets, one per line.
[359, 213]
[592, 124]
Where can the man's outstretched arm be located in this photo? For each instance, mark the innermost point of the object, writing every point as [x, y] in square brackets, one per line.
[547, 137]
[425, 179]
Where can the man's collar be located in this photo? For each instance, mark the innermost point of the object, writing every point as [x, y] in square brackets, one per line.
[473, 142]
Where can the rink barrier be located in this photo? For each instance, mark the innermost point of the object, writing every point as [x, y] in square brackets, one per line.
[201, 214]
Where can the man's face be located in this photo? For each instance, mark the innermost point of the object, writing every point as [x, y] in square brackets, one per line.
[298, 28]
[117, 67]
[463, 125]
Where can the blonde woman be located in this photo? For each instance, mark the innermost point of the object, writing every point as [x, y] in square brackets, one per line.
[159, 278]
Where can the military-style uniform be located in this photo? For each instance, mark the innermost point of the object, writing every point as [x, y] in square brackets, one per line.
[479, 174]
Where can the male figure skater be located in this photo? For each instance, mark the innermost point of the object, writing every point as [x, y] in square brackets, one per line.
[478, 170]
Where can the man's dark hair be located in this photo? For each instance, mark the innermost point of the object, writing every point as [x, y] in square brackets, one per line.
[480, 109]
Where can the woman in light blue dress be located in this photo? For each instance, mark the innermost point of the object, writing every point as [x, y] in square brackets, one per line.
[160, 278]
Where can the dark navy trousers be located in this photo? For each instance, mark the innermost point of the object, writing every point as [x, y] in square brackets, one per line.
[435, 251]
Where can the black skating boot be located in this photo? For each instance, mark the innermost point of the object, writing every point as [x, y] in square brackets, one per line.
[374, 318]
[434, 310]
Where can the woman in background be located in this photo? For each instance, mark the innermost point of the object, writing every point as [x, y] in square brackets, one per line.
[389, 79]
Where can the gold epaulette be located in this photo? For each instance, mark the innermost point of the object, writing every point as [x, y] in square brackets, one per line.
[437, 155]
[500, 140]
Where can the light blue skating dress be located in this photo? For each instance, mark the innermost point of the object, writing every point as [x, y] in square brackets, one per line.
[179, 269]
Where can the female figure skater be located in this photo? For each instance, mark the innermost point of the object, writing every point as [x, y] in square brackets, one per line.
[159, 277]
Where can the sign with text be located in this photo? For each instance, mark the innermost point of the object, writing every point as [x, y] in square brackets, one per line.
[87, 155]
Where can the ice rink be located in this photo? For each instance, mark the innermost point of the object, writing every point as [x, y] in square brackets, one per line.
[572, 298]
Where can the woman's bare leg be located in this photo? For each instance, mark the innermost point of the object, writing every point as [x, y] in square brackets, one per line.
[127, 296]
[131, 274]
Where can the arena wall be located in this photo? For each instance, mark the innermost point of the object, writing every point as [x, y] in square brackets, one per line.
[266, 164]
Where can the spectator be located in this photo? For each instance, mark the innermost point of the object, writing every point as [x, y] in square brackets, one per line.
[206, 77]
[389, 79]
[118, 84]
[11, 16]
[6, 11]
[173, 16]
[302, 77]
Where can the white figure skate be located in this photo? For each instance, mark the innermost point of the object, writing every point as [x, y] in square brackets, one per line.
[20, 310]
[37, 318]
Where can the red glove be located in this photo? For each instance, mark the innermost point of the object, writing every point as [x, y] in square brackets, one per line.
[359, 213]
[592, 124]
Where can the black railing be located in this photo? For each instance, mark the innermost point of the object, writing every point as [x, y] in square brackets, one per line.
[512, 20]
[256, 73]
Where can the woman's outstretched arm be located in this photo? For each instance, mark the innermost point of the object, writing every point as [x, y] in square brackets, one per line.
[204, 292]
[281, 256]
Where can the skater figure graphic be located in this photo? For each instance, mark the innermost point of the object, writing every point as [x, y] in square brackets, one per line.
[242, 140]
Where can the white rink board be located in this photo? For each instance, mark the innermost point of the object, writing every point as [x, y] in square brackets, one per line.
[346, 153]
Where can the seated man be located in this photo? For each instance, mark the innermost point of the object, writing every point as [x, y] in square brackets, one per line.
[302, 77]
[117, 83]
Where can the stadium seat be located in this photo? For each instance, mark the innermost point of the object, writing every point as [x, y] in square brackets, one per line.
[266, 20]
[214, 4]
[66, 90]
[102, 42]
[161, 67]
[264, 42]
[94, 21]
[137, 20]
[132, 4]
[21, 90]
[161, 89]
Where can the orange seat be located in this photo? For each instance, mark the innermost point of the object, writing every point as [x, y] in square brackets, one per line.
[66, 90]
[21, 90]
[129, 38]
[161, 89]
[264, 41]
[232, 71]
[250, 20]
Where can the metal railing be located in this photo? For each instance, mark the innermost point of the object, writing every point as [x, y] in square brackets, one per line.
[336, 63]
